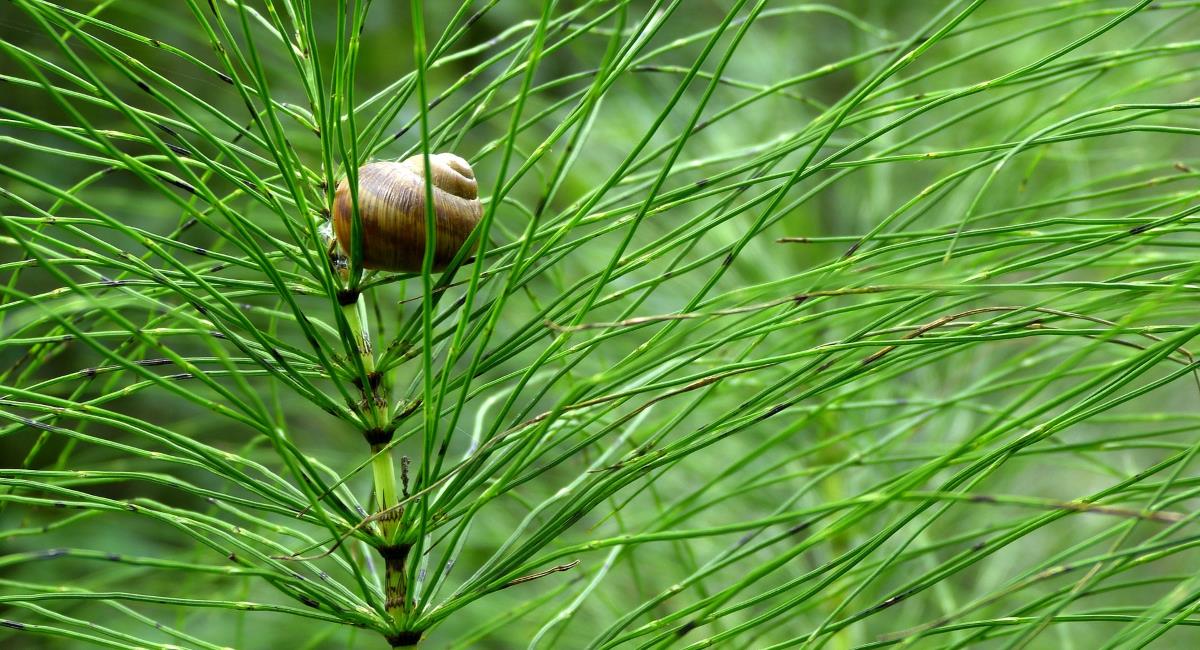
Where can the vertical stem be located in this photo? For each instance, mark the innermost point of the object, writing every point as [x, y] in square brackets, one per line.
[356, 317]
[396, 580]
[376, 411]
[384, 474]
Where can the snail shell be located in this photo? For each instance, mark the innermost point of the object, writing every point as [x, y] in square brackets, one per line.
[391, 205]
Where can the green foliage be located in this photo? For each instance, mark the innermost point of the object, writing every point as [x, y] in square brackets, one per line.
[862, 324]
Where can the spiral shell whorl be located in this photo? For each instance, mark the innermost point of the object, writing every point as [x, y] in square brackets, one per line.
[391, 205]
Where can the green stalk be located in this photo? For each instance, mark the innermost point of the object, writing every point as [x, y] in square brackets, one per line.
[384, 474]
[356, 317]
[383, 470]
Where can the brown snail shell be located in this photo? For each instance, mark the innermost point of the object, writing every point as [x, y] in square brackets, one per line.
[391, 205]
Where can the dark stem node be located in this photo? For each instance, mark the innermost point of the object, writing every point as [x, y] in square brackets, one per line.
[378, 436]
[405, 639]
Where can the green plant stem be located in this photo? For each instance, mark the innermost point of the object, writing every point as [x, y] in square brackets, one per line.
[396, 580]
[374, 408]
[383, 471]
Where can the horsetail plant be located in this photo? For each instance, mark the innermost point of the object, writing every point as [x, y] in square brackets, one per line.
[598, 324]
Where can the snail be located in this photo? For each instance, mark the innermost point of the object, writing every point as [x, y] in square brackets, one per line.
[391, 206]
